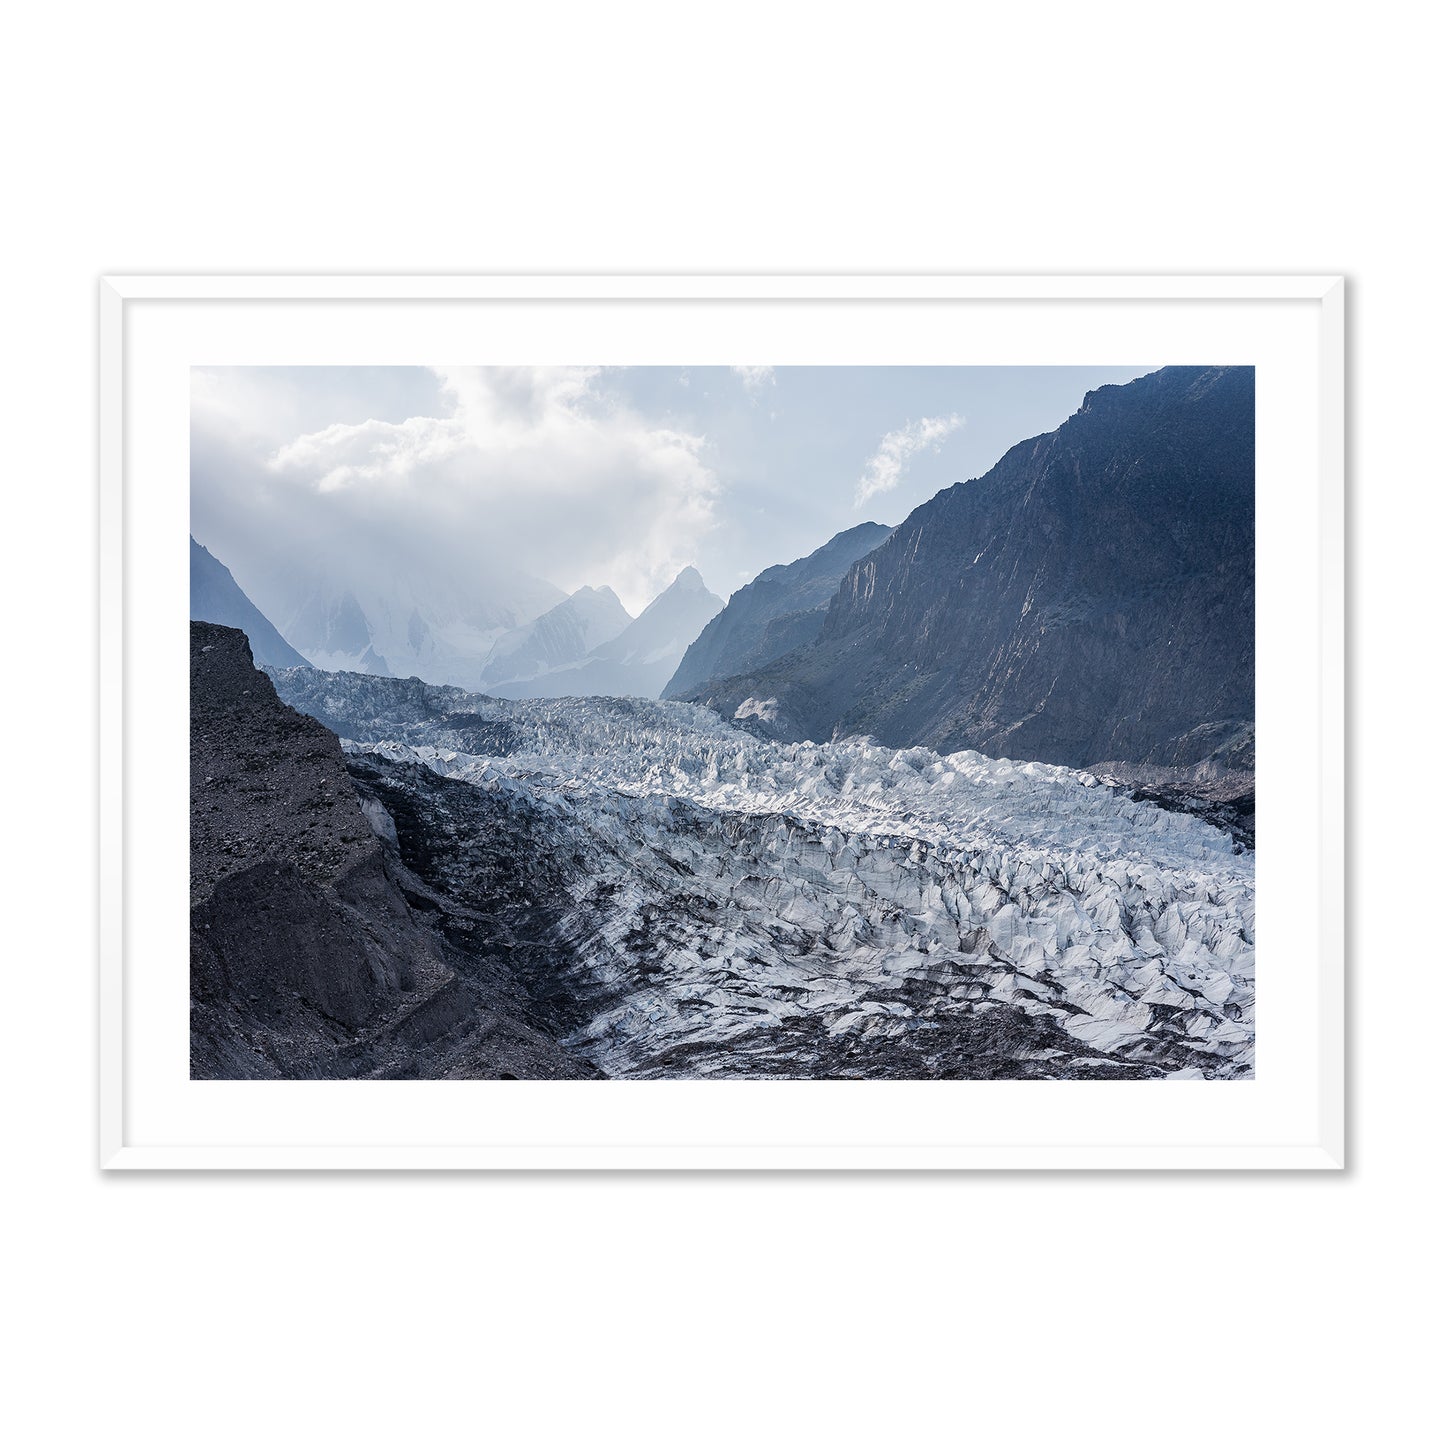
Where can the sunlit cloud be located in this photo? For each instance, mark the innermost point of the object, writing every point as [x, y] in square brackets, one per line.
[885, 468]
[521, 469]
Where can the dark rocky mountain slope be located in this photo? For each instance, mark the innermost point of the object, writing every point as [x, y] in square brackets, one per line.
[315, 952]
[1090, 598]
[781, 609]
[217, 597]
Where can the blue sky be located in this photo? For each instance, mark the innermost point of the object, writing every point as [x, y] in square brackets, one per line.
[589, 475]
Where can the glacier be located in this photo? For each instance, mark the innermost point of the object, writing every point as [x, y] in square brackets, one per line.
[704, 902]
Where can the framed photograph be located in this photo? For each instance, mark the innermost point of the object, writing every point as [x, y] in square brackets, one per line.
[722, 722]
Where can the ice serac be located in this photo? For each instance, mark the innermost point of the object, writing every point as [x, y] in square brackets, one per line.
[560, 637]
[782, 608]
[1090, 598]
[639, 660]
[314, 953]
[714, 904]
[217, 597]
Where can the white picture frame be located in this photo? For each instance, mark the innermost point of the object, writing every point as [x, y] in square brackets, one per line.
[1290, 1116]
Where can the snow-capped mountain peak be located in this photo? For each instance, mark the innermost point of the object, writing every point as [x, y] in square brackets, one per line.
[407, 622]
[688, 580]
[560, 637]
[635, 661]
[667, 626]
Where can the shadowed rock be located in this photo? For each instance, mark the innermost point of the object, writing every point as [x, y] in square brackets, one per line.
[1090, 597]
[307, 959]
[781, 609]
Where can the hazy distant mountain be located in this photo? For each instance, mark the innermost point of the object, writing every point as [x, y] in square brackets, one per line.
[428, 625]
[560, 637]
[639, 661]
[1091, 598]
[335, 635]
[780, 609]
[216, 597]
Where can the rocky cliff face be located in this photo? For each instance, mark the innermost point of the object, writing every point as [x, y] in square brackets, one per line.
[779, 610]
[314, 953]
[1090, 598]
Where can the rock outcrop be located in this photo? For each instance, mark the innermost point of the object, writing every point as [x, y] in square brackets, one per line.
[314, 954]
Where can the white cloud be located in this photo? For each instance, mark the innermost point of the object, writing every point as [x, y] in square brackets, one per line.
[754, 378]
[886, 466]
[531, 469]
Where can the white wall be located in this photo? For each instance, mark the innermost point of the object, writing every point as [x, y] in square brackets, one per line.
[751, 136]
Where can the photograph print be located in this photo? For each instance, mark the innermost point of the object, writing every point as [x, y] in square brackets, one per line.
[722, 722]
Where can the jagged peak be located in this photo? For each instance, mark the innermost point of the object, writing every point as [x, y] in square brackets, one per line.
[686, 586]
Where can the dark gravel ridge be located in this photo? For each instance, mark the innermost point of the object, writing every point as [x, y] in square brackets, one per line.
[308, 959]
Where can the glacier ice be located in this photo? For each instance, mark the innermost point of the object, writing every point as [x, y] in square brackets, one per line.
[719, 904]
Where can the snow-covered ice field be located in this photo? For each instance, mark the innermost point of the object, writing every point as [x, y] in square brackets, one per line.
[725, 905]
